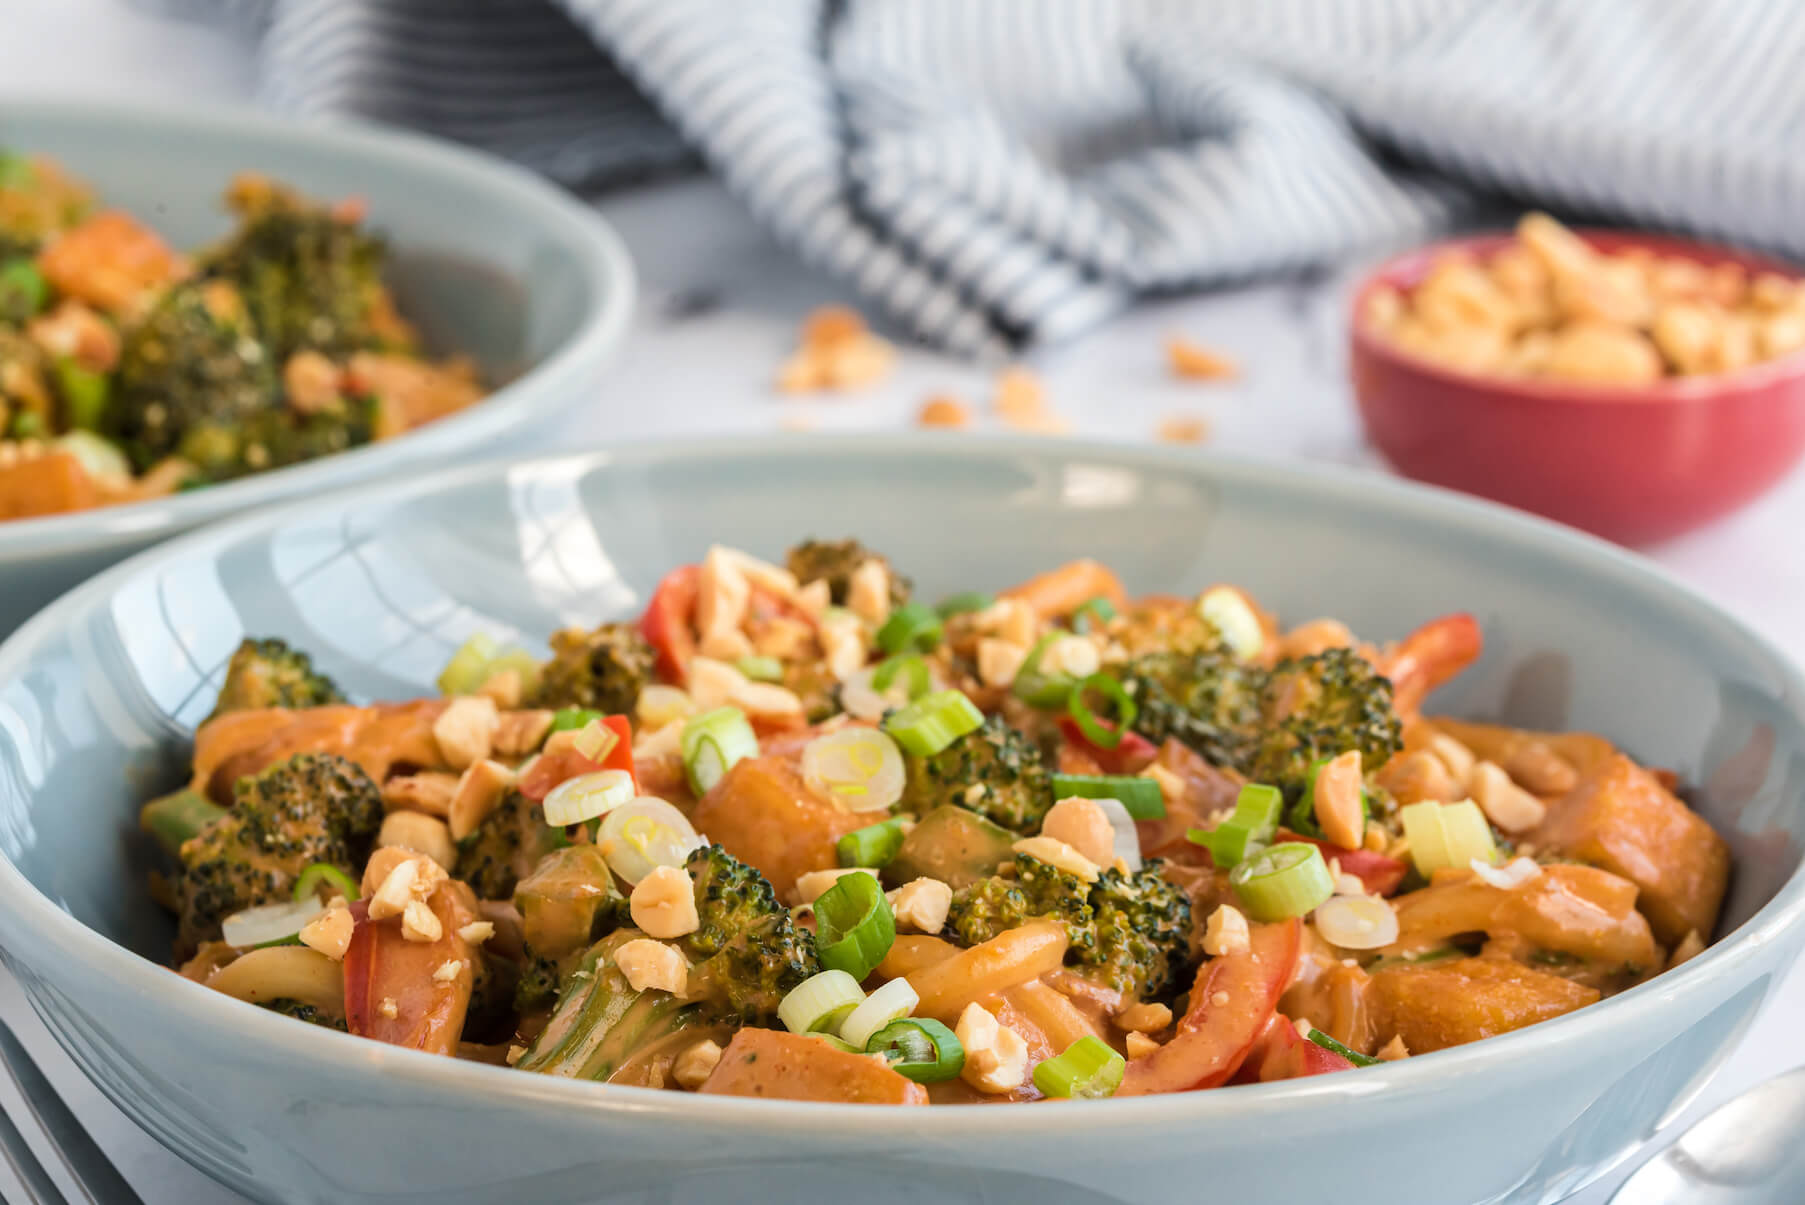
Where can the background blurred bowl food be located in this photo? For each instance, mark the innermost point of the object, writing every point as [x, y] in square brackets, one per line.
[486, 259]
[1632, 462]
[98, 694]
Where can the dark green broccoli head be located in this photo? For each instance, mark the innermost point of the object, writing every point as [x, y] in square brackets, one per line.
[604, 669]
[538, 985]
[994, 771]
[1205, 697]
[1143, 931]
[314, 807]
[1148, 628]
[192, 373]
[1321, 706]
[833, 561]
[267, 673]
[311, 280]
[747, 950]
[505, 847]
[1129, 931]
[300, 1010]
[274, 439]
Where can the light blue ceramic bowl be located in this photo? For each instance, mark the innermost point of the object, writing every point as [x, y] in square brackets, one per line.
[98, 694]
[488, 259]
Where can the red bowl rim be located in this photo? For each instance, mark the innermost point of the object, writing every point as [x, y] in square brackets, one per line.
[1407, 267]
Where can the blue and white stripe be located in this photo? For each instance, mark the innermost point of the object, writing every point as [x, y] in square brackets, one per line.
[995, 173]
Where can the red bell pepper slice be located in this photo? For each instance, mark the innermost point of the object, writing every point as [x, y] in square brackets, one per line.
[1214, 1039]
[1283, 1053]
[1132, 755]
[550, 769]
[1380, 872]
[382, 967]
[669, 622]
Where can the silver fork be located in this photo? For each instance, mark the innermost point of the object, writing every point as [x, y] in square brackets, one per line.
[93, 1173]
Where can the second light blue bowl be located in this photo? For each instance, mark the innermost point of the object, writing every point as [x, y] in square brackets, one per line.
[98, 695]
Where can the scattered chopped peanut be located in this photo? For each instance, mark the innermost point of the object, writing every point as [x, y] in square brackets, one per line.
[448, 970]
[649, 964]
[479, 792]
[421, 833]
[1057, 853]
[420, 923]
[1147, 1017]
[922, 905]
[518, 733]
[1083, 826]
[1339, 810]
[400, 877]
[429, 791]
[1140, 1045]
[696, 1064]
[1504, 803]
[1018, 394]
[465, 730]
[996, 1057]
[515, 1054]
[1194, 362]
[388, 1009]
[810, 886]
[330, 932]
[1456, 757]
[1183, 429]
[1226, 932]
[999, 661]
[944, 412]
[1540, 769]
[868, 591]
[1039, 422]
[1393, 1050]
[1690, 947]
[664, 903]
[837, 352]
[505, 687]
[477, 932]
[310, 383]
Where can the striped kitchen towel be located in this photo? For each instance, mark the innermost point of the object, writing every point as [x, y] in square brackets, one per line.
[995, 173]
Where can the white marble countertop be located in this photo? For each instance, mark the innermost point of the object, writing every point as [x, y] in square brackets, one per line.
[720, 306]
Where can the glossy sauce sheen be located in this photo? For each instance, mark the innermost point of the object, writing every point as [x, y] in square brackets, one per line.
[378, 737]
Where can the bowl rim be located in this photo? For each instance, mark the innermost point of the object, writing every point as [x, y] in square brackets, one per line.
[33, 928]
[1669, 391]
[584, 236]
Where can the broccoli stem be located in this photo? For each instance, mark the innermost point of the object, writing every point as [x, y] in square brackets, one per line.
[175, 817]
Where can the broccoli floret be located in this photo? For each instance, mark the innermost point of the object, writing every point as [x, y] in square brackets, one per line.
[538, 985]
[1129, 931]
[192, 373]
[300, 1010]
[1206, 698]
[1321, 706]
[274, 439]
[994, 771]
[311, 280]
[267, 673]
[505, 847]
[604, 669]
[833, 561]
[314, 807]
[747, 952]
[38, 200]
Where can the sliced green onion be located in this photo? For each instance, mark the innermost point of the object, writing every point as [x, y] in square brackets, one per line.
[520, 661]
[875, 845]
[712, 743]
[1223, 608]
[891, 1002]
[910, 626]
[860, 769]
[820, 1002]
[1357, 922]
[854, 927]
[174, 818]
[1427, 836]
[1034, 686]
[1469, 835]
[920, 1048]
[587, 796]
[1086, 1070]
[1141, 796]
[909, 665]
[1332, 1046]
[1256, 818]
[16, 170]
[644, 834]
[84, 393]
[963, 603]
[1095, 730]
[1282, 881]
[23, 290]
[1098, 610]
[570, 719]
[837, 1042]
[760, 669]
[1438, 954]
[595, 741]
[933, 722]
[269, 924]
[307, 883]
[468, 667]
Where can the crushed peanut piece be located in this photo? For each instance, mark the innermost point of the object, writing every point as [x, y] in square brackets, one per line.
[1183, 429]
[696, 1064]
[1220, 999]
[1147, 1017]
[518, 733]
[1140, 1045]
[922, 905]
[465, 730]
[944, 412]
[649, 964]
[1019, 394]
[1084, 826]
[387, 1008]
[420, 923]
[836, 352]
[1055, 852]
[479, 792]
[1194, 362]
[1226, 932]
[1393, 1050]
[664, 903]
[429, 791]
[996, 1057]
[811, 886]
[448, 970]
[515, 1054]
[329, 933]
[421, 833]
[477, 932]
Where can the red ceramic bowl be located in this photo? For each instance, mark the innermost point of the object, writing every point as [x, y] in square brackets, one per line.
[1633, 464]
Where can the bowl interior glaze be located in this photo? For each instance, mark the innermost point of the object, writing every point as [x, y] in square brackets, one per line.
[97, 697]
